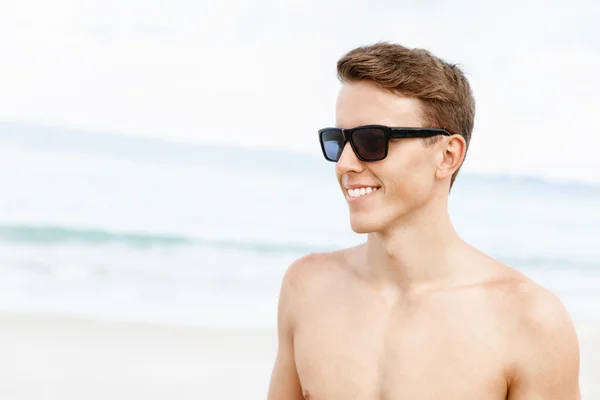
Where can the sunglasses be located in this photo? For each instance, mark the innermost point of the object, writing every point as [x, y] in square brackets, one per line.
[369, 142]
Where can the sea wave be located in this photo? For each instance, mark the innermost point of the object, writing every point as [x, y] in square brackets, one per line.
[47, 235]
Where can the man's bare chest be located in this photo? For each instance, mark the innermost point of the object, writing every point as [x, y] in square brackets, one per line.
[368, 357]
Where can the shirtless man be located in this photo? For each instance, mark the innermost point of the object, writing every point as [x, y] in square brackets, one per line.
[415, 312]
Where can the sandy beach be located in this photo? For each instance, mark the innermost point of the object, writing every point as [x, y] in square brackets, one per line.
[67, 358]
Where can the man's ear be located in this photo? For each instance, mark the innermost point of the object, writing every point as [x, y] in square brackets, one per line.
[452, 154]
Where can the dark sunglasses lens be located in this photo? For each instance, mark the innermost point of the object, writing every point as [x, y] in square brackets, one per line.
[370, 143]
[333, 144]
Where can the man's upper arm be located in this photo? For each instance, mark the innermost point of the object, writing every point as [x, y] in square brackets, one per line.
[285, 383]
[547, 361]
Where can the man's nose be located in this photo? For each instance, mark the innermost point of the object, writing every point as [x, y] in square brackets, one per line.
[348, 161]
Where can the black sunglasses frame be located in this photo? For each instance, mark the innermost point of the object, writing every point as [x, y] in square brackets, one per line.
[389, 132]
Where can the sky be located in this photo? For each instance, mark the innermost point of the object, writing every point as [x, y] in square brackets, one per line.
[262, 73]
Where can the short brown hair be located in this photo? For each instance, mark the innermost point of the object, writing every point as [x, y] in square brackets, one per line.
[443, 89]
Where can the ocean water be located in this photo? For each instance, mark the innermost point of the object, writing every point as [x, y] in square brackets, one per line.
[134, 228]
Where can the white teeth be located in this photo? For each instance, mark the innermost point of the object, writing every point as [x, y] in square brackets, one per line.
[361, 192]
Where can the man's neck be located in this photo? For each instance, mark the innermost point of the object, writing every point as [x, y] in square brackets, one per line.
[418, 251]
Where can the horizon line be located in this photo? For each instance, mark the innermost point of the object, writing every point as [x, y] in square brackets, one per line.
[179, 141]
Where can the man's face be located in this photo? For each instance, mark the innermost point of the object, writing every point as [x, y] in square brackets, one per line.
[405, 179]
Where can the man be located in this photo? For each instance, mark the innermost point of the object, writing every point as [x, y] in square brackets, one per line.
[415, 312]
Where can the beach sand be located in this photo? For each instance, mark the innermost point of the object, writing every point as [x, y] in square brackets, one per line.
[65, 358]
[68, 358]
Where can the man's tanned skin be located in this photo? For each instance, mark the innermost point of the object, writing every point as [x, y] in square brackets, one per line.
[415, 312]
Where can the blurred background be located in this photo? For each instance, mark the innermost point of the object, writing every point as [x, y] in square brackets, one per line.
[160, 169]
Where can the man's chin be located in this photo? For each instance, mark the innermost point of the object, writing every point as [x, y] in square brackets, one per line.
[362, 226]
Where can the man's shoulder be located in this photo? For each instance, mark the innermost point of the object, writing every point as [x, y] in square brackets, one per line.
[534, 309]
[308, 281]
[541, 339]
[316, 267]
[543, 346]
[533, 304]
[542, 314]
[541, 324]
